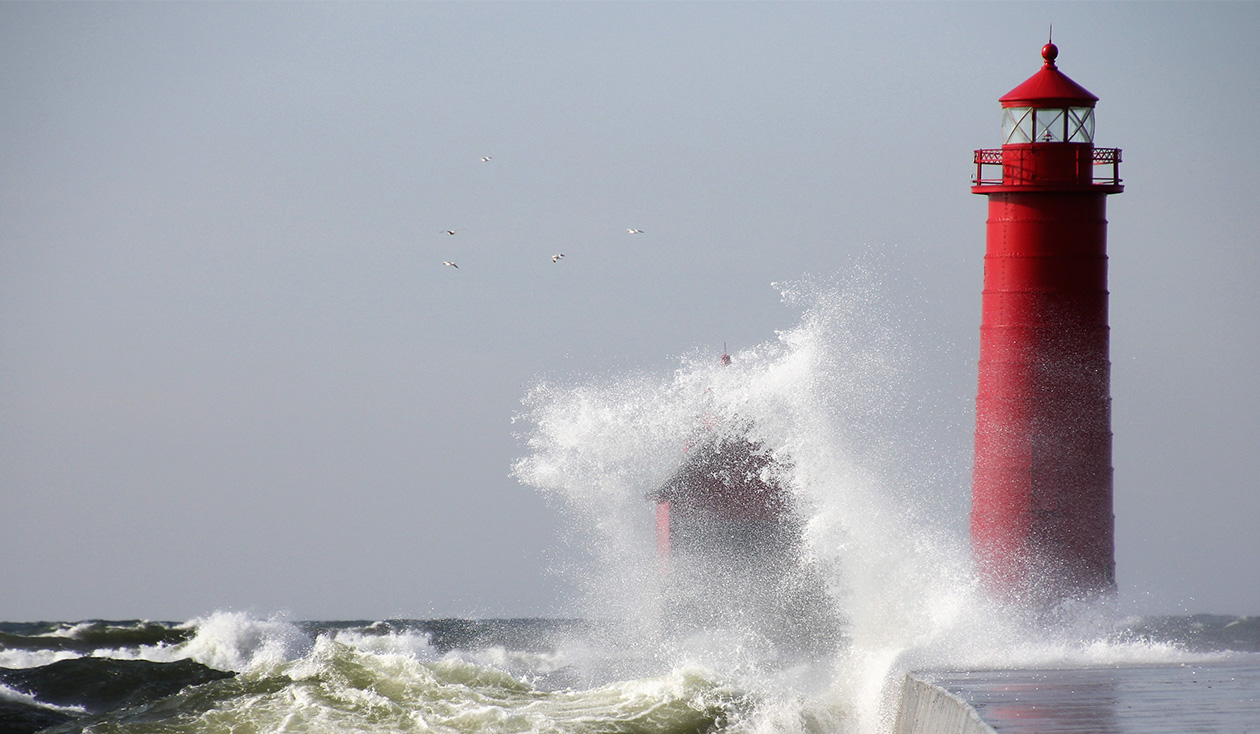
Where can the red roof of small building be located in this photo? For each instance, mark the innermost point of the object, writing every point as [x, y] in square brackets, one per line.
[1049, 87]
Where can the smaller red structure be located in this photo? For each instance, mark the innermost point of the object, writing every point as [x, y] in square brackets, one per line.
[1041, 513]
[723, 503]
[730, 543]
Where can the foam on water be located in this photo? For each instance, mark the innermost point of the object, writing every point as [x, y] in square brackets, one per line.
[391, 678]
[406, 643]
[7, 694]
[395, 682]
[228, 641]
[33, 658]
[238, 642]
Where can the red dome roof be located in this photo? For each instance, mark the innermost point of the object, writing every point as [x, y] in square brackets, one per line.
[1049, 87]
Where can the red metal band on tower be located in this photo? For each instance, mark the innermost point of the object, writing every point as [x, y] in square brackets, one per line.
[1042, 527]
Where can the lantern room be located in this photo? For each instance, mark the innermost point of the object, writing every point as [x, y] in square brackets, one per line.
[1048, 137]
[1047, 125]
[1048, 108]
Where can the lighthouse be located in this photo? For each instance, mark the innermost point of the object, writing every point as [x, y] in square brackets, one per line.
[1042, 528]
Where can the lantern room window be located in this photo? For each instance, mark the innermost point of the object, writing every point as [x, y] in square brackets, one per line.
[1047, 125]
[1080, 124]
[1017, 125]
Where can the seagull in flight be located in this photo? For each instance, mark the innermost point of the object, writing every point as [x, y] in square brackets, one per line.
[448, 262]
[556, 258]
[450, 231]
[635, 231]
[485, 158]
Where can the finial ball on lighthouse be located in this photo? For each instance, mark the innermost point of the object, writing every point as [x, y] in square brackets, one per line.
[1050, 52]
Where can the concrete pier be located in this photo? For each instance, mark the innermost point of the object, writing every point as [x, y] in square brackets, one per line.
[1200, 698]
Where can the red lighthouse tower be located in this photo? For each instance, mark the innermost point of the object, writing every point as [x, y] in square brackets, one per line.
[1042, 527]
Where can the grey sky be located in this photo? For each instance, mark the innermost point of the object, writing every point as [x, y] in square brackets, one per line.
[234, 372]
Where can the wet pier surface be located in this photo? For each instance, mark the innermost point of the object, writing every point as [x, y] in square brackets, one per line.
[1208, 698]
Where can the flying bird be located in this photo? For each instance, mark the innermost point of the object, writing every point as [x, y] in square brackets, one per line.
[556, 258]
[450, 231]
[485, 158]
[635, 231]
[448, 262]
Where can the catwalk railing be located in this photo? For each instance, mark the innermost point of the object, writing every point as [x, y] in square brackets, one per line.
[1035, 165]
